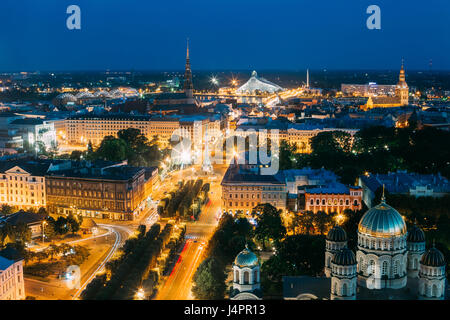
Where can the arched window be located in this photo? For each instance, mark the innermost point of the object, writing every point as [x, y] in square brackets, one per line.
[246, 277]
[344, 289]
[434, 291]
[425, 289]
[335, 288]
[396, 266]
[236, 276]
[328, 261]
[384, 268]
[255, 276]
[371, 267]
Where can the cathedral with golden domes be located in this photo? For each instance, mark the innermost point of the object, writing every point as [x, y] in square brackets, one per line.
[390, 263]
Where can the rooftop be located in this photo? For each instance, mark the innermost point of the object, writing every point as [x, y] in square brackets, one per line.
[24, 217]
[119, 173]
[402, 182]
[5, 263]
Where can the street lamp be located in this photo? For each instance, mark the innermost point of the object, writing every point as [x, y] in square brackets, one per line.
[140, 294]
[43, 231]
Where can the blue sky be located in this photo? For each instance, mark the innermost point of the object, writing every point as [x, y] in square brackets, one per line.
[226, 35]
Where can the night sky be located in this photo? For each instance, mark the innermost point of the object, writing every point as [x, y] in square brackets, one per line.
[224, 35]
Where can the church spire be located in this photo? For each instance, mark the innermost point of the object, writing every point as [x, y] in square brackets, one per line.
[402, 90]
[187, 50]
[402, 73]
[188, 86]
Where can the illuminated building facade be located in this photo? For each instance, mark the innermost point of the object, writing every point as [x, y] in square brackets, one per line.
[22, 183]
[333, 198]
[381, 96]
[390, 263]
[12, 286]
[276, 130]
[115, 192]
[243, 188]
[84, 128]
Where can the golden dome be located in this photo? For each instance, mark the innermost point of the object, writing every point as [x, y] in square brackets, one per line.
[382, 221]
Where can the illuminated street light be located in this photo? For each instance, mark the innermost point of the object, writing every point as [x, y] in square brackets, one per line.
[339, 218]
[185, 156]
[140, 294]
[214, 81]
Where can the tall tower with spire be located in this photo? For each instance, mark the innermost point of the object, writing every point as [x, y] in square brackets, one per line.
[402, 90]
[307, 78]
[188, 86]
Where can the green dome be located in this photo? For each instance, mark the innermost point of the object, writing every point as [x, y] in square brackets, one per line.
[337, 234]
[344, 257]
[415, 234]
[246, 258]
[382, 221]
[433, 258]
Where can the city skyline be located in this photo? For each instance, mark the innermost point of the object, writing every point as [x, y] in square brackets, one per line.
[137, 164]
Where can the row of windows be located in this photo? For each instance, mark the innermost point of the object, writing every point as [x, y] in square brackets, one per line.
[21, 193]
[17, 186]
[78, 185]
[346, 290]
[370, 268]
[246, 277]
[332, 202]
[32, 179]
[96, 194]
[433, 271]
[249, 204]
[247, 196]
[97, 204]
[254, 188]
[382, 245]
[21, 200]
[433, 291]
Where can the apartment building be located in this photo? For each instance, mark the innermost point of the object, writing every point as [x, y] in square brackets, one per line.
[22, 183]
[335, 197]
[81, 129]
[84, 128]
[12, 286]
[243, 188]
[114, 192]
[283, 130]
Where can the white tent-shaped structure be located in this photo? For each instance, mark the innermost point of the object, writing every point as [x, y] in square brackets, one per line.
[256, 83]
